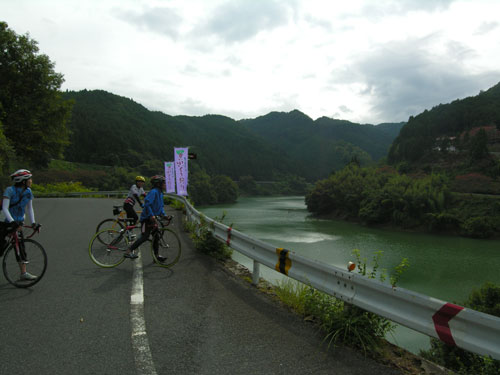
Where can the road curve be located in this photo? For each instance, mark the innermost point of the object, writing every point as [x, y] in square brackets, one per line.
[199, 319]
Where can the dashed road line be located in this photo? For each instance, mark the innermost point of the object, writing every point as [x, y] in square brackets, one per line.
[140, 342]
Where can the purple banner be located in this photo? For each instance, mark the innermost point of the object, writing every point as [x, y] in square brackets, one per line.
[170, 176]
[181, 170]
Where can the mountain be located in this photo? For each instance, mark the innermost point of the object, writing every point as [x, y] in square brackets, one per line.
[112, 130]
[423, 135]
[321, 146]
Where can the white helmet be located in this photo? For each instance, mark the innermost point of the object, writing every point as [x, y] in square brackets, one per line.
[20, 175]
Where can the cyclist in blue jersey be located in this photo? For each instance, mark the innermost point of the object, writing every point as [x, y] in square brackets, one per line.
[16, 199]
[152, 210]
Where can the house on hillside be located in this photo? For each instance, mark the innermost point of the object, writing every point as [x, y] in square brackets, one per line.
[449, 143]
[445, 143]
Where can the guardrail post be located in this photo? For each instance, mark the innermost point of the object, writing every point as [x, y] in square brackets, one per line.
[255, 273]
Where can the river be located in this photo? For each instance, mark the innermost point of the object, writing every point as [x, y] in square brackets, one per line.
[444, 267]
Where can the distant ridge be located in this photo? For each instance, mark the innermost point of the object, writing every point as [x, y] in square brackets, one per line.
[112, 130]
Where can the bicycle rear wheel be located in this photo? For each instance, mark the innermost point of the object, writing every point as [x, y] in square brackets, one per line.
[169, 247]
[35, 258]
[112, 224]
[108, 254]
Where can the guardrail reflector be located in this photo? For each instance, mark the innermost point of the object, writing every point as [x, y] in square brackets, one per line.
[228, 241]
[441, 319]
[284, 262]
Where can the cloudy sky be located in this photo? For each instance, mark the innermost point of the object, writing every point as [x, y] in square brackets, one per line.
[367, 61]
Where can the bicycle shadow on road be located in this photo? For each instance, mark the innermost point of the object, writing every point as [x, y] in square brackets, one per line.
[105, 280]
[152, 271]
[9, 292]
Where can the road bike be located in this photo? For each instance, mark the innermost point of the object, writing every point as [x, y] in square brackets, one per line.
[116, 223]
[21, 254]
[119, 223]
[107, 247]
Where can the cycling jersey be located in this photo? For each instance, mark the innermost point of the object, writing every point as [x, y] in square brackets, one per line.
[19, 197]
[134, 193]
[153, 204]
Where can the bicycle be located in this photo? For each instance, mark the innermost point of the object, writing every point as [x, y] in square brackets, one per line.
[107, 247]
[114, 223]
[20, 254]
[117, 224]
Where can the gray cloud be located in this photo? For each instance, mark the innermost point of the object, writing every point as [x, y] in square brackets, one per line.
[164, 21]
[486, 27]
[401, 7]
[237, 21]
[402, 79]
[344, 109]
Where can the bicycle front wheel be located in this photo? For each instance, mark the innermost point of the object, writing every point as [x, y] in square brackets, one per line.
[113, 225]
[109, 253]
[33, 256]
[169, 247]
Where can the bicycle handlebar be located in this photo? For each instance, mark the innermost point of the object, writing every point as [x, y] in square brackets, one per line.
[36, 229]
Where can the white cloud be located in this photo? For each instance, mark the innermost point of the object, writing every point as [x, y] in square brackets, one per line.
[360, 60]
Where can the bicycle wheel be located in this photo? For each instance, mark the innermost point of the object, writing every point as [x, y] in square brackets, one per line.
[35, 258]
[108, 254]
[169, 247]
[112, 224]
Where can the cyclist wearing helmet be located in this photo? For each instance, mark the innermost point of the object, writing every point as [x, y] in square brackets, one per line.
[153, 208]
[134, 195]
[15, 200]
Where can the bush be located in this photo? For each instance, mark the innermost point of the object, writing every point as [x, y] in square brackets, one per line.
[443, 222]
[478, 227]
[61, 187]
[205, 242]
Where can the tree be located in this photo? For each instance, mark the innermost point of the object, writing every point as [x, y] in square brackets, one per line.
[479, 146]
[6, 151]
[32, 110]
[225, 189]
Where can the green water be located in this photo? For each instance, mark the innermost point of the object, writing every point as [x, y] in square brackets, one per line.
[444, 267]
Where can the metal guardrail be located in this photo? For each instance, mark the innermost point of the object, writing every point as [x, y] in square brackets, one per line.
[468, 329]
[82, 194]
[456, 325]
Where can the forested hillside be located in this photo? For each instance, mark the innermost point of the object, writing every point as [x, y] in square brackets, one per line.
[108, 129]
[446, 127]
[322, 146]
[111, 130]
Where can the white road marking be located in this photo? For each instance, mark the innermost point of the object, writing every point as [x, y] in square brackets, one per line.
[140, 343]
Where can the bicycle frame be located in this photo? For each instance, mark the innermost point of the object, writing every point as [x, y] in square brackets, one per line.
[17, 237]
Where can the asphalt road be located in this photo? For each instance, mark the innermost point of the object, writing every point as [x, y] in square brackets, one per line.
[199, 319]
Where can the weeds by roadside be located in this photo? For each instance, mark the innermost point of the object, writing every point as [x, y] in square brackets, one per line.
[204, 240]
[338, 320]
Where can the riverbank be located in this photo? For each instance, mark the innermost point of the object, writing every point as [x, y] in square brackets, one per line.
[381, 195]
[481, 227]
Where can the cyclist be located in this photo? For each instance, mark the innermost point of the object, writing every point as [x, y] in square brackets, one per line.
[134, 195]
[153, 209]
[15, 200]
